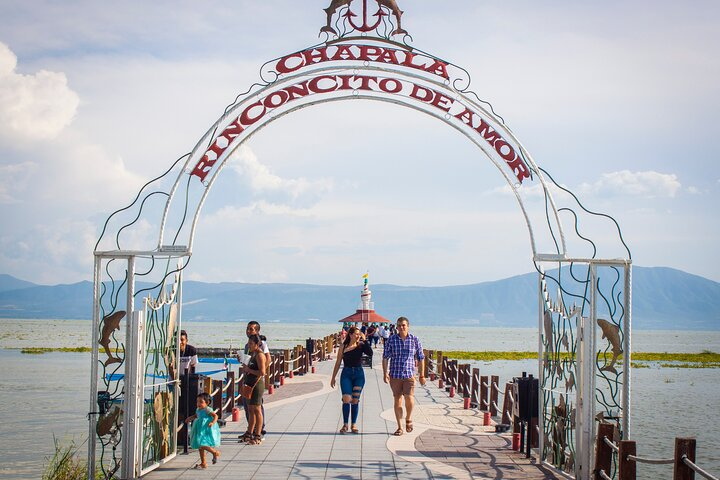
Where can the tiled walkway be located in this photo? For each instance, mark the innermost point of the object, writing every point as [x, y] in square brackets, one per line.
[304, 417]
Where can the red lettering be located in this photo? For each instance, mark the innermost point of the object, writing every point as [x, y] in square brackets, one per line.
[385, 85]
[315, 56]
[203, 167]
[417, 91]
[519, 168]
[345, 82]
[504, 150]
[487, 132]
[367, 51]
[283, 67]
[298, 90]
[246, 119]
[281, 96]
[442, 102]
[389, 56]
[466, 116]
[365, 81]
[439, 68]
[344, 53]
[315, 84]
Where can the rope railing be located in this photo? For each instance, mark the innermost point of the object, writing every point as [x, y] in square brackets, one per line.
[683, 463]
[611, 444]
[697, 469]
[651, 461]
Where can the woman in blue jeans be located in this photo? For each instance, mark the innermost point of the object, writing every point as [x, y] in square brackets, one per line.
[352, 379]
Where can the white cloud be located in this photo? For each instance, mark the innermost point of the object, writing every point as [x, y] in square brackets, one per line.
[33, 107]
[13, 178]
[273, 188]
[646, 184]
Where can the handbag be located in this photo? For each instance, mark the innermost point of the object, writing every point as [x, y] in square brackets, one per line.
[246, 390]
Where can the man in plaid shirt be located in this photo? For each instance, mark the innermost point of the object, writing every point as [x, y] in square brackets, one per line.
[403, 353]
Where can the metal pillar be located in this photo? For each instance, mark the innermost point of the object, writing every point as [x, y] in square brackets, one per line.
[92, 436]
[130, 426]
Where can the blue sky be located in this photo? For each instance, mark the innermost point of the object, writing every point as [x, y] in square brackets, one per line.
[617, 100]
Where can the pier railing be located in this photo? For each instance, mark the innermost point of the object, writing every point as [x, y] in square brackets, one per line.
[285, 363]
[482, 392]
[623, 455]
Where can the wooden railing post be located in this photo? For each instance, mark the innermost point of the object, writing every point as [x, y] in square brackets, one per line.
[231, 390]
[507, 405]
[217, 387]
[474, 388]
[286, 354]
[603, 452]
[439, 365]
[626, 468]
[466, 380]
[684, 447]
[494, 388]
[484, 393]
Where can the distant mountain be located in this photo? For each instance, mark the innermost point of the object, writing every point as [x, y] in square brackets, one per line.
[663, 298]
[8, 282]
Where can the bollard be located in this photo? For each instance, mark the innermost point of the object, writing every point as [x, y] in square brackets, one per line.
[466, 403]
[282, 380]
[236, 414]
[516, 442]
[313, 369]
[291, 374]
[441, 384]
[452, 392]
[432, 377]
[486, 420]
[271, 389]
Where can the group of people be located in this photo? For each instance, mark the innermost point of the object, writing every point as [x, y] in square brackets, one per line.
[205, 432]
[402, 358]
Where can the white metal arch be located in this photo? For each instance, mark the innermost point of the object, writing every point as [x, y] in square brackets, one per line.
[387, 72]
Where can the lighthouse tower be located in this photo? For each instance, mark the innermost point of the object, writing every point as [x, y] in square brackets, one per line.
[365, 314]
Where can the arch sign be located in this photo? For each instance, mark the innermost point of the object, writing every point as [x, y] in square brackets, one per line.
[365, 55]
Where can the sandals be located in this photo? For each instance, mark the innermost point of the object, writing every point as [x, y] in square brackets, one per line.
[354, 429]
[255, 440]
[408, 426]
[343, 430]
[199, 465]
[398, 432]
[215, 457]
[245, 437]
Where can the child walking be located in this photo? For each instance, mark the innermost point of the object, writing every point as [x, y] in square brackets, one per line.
[205, 432]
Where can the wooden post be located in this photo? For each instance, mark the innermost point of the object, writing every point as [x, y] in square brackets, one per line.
[466, 380]
[474, 388]
[439, 365]
[684, 447]
[454, 374]
[231, 390]
[494, 395]
[507, 413]
[207, 385]
[217, 398]
[445, 371]
[603, 452]
[484, 393]
[626, 468]
[286, 354]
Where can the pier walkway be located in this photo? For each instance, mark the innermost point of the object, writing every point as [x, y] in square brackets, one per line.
[304, 416]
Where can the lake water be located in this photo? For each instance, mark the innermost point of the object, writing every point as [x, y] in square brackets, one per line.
[42, 396]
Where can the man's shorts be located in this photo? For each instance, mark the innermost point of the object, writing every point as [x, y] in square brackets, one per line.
[402, 386]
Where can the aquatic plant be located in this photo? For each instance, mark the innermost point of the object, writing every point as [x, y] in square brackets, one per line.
[66, 463]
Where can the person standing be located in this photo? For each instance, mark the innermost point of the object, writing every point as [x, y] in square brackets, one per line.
[402, 355]
[188, 354]
[255, 376]
[352, 378]
[253, 328]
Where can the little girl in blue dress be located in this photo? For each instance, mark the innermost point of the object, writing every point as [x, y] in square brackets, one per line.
[205, 432]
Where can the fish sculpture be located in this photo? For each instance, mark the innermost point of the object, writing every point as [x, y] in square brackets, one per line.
[162, 405]
[611, 333]
[570, 382]
[548, 323]
[335, 5]
[107, 422]
[110, 324]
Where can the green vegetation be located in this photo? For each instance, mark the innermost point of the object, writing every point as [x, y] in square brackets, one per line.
[41, 350]
[704, 359]
[66, 463]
